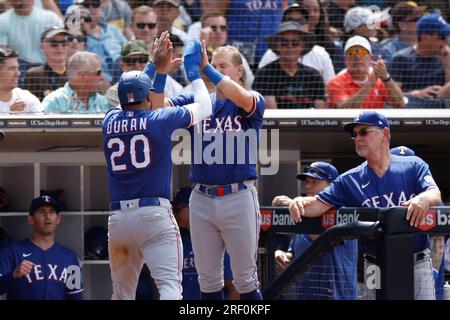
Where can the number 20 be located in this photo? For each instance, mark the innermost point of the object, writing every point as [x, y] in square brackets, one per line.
[119, 153]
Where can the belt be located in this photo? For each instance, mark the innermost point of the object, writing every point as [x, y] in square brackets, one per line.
[220, 190]
[138, 203]
[419, 256]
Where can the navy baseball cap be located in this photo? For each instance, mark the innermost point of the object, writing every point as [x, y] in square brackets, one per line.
[403, 151]
[319, 170]
[433, 23]
[38, 202]
[181, 198]
[371, 118]
[134, 86]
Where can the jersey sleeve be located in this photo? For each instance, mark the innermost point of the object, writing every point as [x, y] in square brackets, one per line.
[259, 106]
[425, 180]
[74, 283]
[6, 269]
[335, 195]
[181, 100]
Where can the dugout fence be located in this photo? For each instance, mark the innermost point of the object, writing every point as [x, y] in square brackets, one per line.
[394, 237]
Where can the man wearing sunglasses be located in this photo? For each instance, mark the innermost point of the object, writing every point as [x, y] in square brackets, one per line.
[80, 93]
[404, 22]
[143, 24]
[321, 281]
[383, 181]
[364, 84]
[422, 70]
[286, 83]
[43, 79]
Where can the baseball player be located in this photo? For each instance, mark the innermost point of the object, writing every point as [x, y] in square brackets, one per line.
[384, 180]
[191, 289]
[40, 268]
[334, 275]
[224, 208]
[137, 145]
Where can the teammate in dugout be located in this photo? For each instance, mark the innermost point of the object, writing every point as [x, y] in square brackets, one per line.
[332, 276]
[224, 208]
[40, 268]
[384, 180]
[137, 148]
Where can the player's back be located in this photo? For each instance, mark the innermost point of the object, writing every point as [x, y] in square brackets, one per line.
[137, 148]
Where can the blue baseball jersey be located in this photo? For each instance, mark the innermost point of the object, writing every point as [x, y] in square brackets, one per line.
[137, 147]
[56, 275]
[361, 187]
[332, 276]
[191, 287]
[224, 158]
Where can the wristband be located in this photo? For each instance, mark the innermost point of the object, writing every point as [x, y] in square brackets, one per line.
[212, 74]
[150, 69]
[387, 79]
[159, 82]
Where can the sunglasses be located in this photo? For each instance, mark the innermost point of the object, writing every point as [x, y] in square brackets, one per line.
[131, 60]
[86, 19]
[362, 133]
[92, 4]
[222, 28]
[141, 25]
[293, 43]
[357, 52]
[317, 171]
[70, 38]
[97, 73]
[56, 43]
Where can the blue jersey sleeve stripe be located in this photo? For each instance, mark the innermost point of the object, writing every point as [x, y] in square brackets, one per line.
[192, 118]
[253, 108]
[324, 202]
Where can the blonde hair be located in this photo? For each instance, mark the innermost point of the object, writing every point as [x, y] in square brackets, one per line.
[236, 58]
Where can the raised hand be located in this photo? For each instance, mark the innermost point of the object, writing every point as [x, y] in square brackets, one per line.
[162, 55]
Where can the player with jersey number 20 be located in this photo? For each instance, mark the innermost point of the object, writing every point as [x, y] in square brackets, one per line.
[137, 148]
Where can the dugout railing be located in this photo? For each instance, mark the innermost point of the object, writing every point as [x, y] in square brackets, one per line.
[387, 226]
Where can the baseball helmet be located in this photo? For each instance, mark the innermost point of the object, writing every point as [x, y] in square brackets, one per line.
[134, 87]
[319, 170]
[402, 151]
[96, 243]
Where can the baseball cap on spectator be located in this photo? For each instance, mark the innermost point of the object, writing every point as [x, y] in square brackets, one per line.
[134, 47]
[308, 38]
[433, 23]
[319, 170]
[358, 41]
[181, 198]
[51, 31]
[402, 151]
[357, 16]
[406, 11]
[44, 200]
[175, 3]
[371, 118]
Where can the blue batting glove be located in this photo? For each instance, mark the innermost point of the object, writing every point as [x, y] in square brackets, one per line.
[193, 59]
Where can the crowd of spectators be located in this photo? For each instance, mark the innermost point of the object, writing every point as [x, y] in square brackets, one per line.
[298, 55]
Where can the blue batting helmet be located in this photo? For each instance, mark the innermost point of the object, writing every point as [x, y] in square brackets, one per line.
[134, 86]
[96, 243]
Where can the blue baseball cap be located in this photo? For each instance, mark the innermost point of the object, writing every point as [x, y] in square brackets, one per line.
[371, 118]
[134, 86]
[181, 198]
[433, 23]
[403, 151]
[319, 170]
[38, 202]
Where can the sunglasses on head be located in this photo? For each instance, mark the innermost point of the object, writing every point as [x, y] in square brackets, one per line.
[357, 52]
[317, 171]
[86, 19]
[292, 42]
[56, 43]
[141, 25]
[81, 38]
[362, 132]
[134, 60]
[222, 28]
